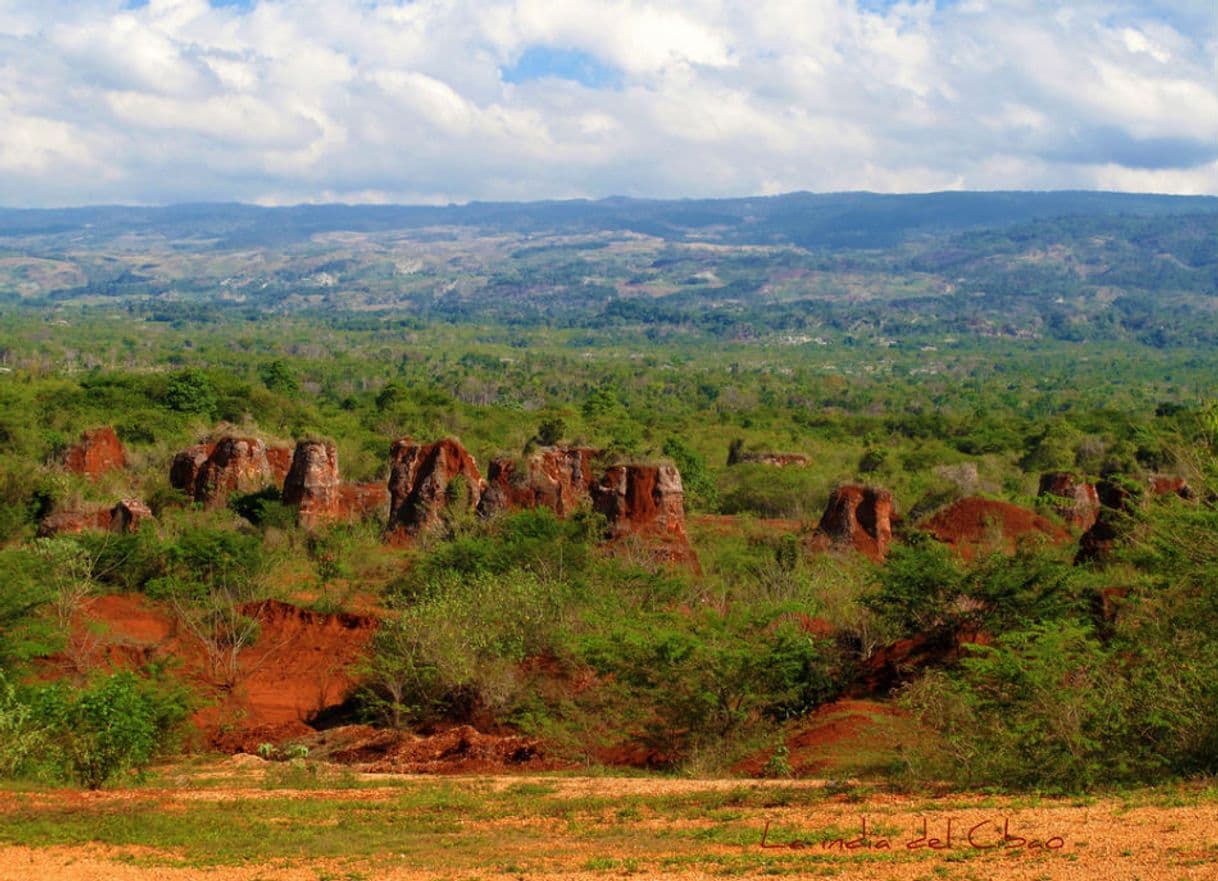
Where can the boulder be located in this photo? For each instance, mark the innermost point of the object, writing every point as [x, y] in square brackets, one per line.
[558, 478]
[861, 517]
[208, 473]
[74, 520]
[129, 514]
[419, 478]
[186, 466]
[125, 516]
[99, 451]
[1076, 502]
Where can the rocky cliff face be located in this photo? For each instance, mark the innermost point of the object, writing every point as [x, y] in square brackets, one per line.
[1076, 502]
[558, 478]
[861, 517]
[208, 473]
[313, 483]
[419, 479]
[99, 451]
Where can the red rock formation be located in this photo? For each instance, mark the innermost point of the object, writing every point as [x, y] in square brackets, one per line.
[209, 472]
[860, 516]
[976, 525]
[558, 478]
[1116, 521]
[358, 501]
[99, 451]
[647, 502]
[129, 514]
[280, 460]
[1075, 502]
[186, 466]
[1168, 484]
[1113, 523]
[313, 484]
[419, 475]
[126, 516]
[904, 659]
[73, 521]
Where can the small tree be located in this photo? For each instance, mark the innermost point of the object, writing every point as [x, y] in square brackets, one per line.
[190, 391]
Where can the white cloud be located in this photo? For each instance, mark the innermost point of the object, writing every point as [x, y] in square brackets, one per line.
[371, 100]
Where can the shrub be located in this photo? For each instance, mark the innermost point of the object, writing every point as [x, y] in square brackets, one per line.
[1049, 708]
[703, 678]
[116, 723]
[21, 736]
[445, 653]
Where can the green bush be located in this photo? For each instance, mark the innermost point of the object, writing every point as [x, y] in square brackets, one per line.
[115, 724]
[450, 651]
[1046, 708]
[695, 679]
[22, 737]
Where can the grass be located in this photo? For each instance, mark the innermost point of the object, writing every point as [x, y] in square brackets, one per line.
[485, 825]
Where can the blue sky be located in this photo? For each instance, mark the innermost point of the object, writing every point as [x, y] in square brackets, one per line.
[280, 101]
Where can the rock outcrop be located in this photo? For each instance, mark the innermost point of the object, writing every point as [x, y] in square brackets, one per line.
[861, 517]
[1076, 502]
[362, 501]
[419, 479]
[1169, 484]
[70, 521]
[558, 478]
[313, 484]
[125, 516]
[1119, 502]
[98, 452]
[976, 525]
[646, 502]
[208, 473]
[129, 514]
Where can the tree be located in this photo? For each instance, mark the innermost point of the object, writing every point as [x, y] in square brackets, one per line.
[190, 391]
[278, 377]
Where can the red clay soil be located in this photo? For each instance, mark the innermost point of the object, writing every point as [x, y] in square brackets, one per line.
[900, 661]
[300, 664]
[827, 735]
[976, 525]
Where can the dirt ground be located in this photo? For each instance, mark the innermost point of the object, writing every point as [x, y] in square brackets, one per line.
[238, 821]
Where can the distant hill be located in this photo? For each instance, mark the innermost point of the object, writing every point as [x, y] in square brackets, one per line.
[808, 220]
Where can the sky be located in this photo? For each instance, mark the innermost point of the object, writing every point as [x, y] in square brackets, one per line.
[438, 101]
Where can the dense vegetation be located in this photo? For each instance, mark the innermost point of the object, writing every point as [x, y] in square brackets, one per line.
[961, 359]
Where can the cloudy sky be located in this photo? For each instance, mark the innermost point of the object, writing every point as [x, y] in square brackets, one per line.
[281, 101]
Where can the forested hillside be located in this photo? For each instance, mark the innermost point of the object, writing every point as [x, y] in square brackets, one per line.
[615, 484]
